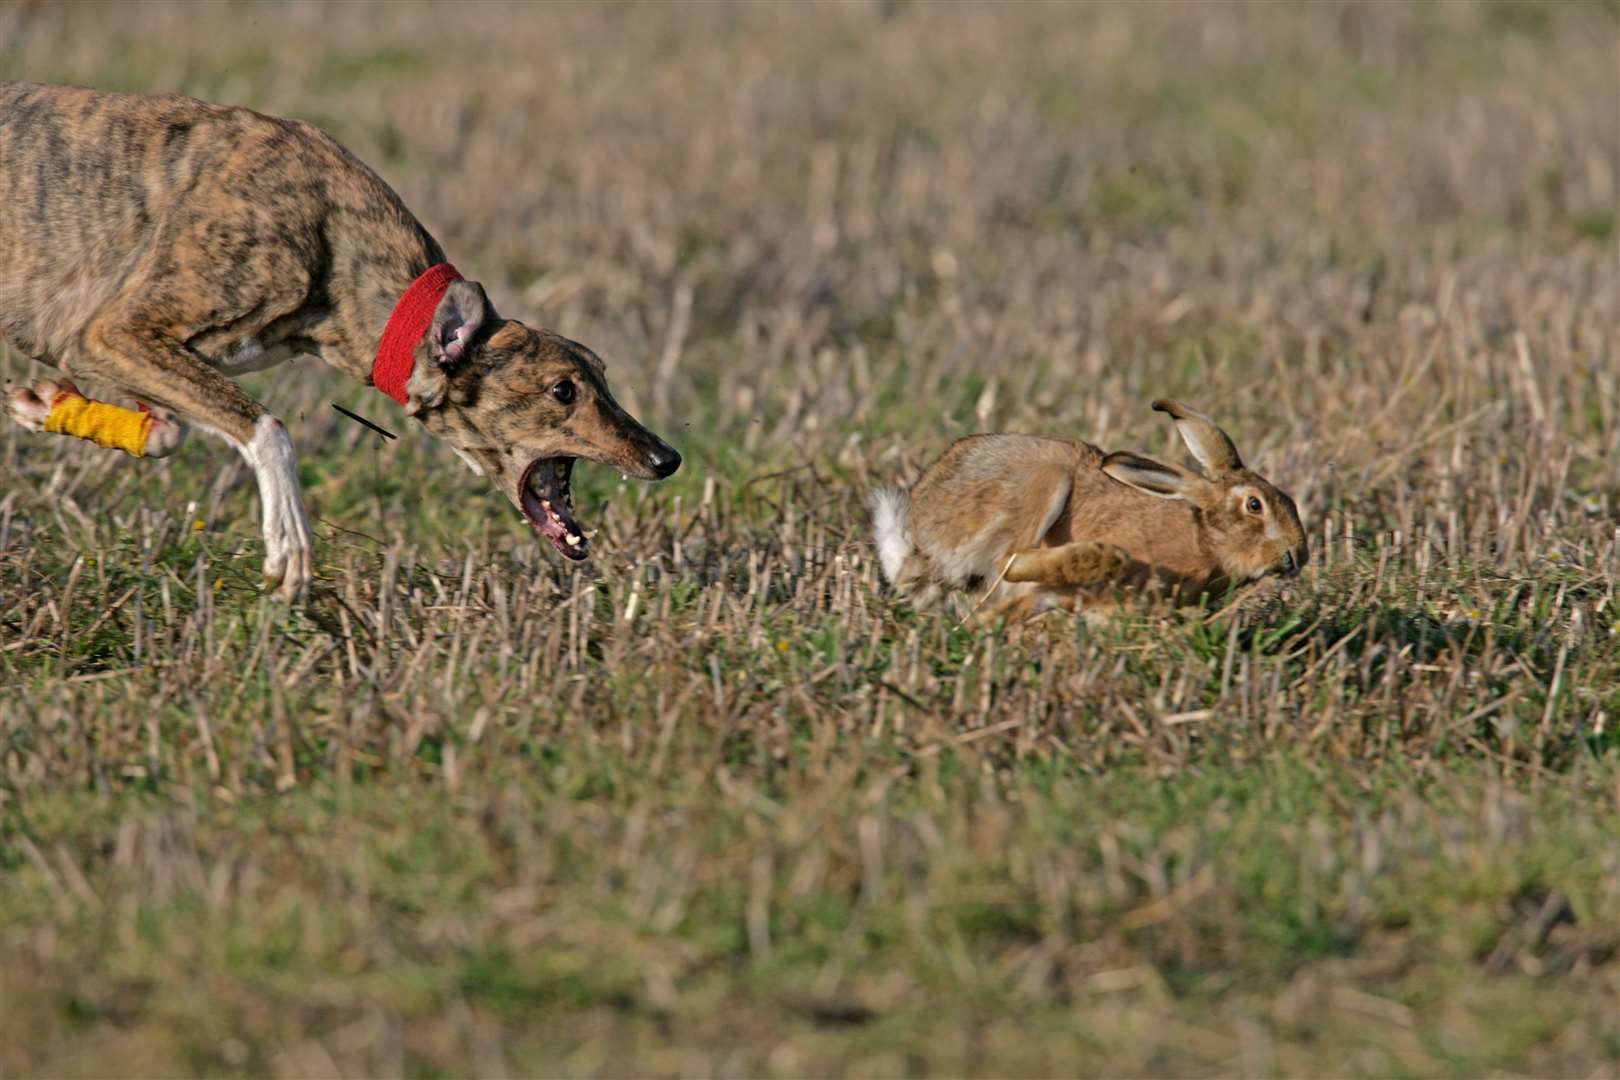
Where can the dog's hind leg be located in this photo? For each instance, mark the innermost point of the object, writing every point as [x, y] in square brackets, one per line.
[57, 406]
[168, 431]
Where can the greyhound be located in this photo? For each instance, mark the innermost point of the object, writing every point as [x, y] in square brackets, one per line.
[162, 245]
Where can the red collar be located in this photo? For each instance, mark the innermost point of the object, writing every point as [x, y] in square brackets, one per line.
[396, 354]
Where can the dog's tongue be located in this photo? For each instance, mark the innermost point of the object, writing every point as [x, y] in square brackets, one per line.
[549, 507]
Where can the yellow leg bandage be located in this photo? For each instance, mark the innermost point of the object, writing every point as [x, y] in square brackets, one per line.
[112, 426]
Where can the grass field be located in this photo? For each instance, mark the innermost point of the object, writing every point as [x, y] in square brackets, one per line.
[713, 804]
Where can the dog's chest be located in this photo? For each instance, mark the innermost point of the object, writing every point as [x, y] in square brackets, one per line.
[252, 355]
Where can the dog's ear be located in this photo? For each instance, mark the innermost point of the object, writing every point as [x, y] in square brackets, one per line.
[462, 312]
[460, 315]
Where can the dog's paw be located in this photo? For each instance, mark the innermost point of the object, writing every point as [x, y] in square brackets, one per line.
[165, 434]
[289, 573]
[289, 545]
[30, 405]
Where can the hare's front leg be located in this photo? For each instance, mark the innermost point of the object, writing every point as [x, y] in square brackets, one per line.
[1079, 563]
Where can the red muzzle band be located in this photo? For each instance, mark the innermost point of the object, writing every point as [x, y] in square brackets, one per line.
[396, 354]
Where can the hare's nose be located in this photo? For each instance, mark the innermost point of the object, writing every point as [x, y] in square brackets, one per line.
[1294, 560]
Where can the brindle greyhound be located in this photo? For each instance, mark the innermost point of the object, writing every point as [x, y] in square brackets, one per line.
[162, 245]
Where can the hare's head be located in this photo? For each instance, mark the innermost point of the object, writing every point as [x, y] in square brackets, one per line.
[1253, 529]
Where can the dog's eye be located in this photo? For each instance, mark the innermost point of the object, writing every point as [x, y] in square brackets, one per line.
[1253, 505]
[564, 392]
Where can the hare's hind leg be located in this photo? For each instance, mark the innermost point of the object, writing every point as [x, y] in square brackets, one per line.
[1039, 580]
[1080, 563]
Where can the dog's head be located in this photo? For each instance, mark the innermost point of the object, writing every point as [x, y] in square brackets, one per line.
[520, 405]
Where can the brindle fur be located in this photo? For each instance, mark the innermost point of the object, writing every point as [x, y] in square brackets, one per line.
[161, 244]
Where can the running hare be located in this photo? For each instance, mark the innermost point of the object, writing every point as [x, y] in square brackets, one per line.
[1058, 523]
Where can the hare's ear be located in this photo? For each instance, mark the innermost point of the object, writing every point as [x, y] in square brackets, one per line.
[1153, 477]
[1209, 444]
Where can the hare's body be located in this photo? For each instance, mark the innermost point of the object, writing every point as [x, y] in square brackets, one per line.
[1057, 522]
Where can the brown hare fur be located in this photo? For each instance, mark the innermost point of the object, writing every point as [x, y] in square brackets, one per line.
[1057, 523]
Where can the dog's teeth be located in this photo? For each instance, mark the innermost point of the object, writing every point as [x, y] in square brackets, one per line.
[546, 503]
[573, 541]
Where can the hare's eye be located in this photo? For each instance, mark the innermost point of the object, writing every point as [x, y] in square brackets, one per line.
[1253, 505]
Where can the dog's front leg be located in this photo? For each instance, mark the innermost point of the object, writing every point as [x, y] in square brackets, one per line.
[289, 542]
[152, 368]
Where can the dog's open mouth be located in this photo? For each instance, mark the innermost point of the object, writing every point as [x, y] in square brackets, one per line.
[549, 505]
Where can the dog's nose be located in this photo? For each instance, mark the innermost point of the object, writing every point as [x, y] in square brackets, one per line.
[664, 461]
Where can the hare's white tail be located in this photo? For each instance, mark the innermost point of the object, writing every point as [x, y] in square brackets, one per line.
[890, 507]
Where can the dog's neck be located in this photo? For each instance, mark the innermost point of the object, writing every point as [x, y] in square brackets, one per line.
[400, 254]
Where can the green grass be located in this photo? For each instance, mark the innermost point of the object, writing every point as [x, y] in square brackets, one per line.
[1056, 915]
[713, 802]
